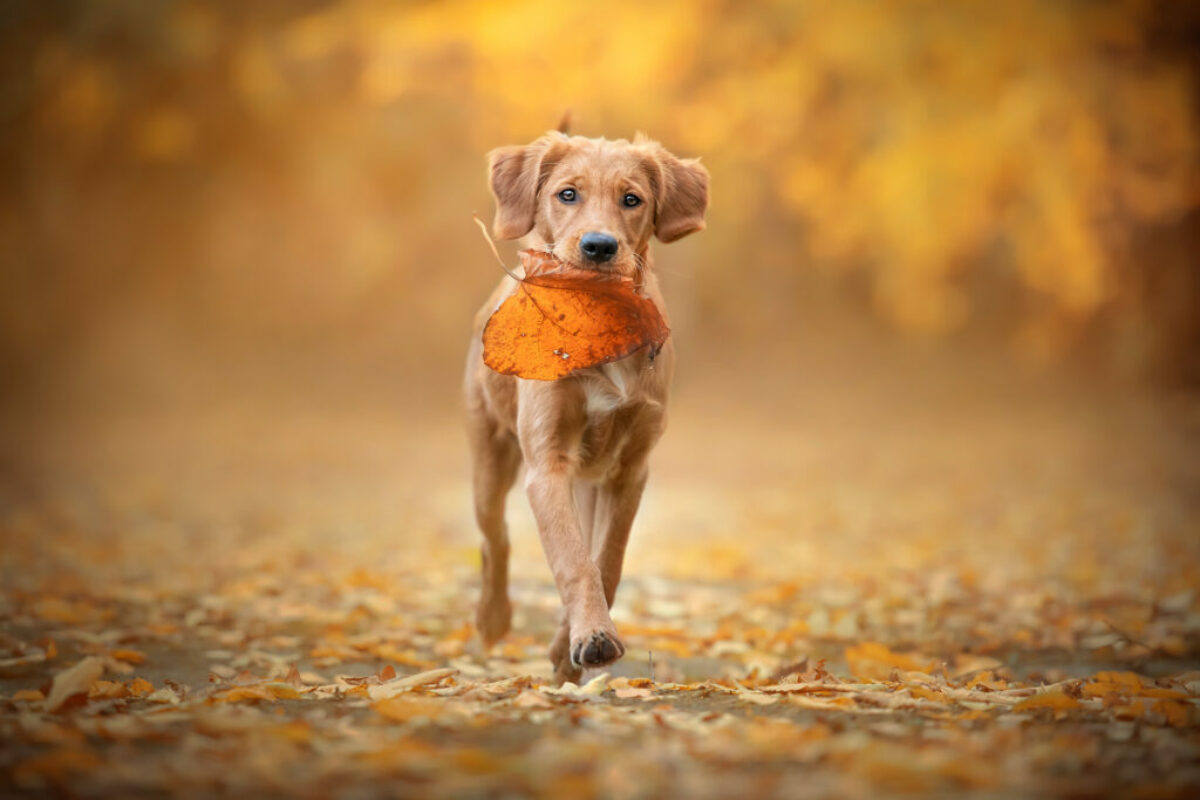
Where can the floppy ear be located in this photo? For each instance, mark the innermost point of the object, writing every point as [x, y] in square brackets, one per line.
[516, 175]
[682, 196]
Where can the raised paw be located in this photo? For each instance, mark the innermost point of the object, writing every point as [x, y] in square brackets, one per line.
[596, 650]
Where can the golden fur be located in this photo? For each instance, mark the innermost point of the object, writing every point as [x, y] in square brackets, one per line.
[584, 439]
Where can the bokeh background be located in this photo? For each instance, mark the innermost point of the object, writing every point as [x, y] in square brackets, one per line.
[210, 198]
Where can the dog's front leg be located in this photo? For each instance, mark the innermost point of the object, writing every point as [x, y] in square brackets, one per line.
[615, 504]
[550, 424]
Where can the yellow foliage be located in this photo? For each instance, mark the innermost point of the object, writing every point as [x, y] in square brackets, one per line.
[933, 151]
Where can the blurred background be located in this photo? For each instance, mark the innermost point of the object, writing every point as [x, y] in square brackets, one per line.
[239, 259]
[215, 199]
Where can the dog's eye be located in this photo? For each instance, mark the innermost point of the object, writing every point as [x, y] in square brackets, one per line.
[568, 196]
[631, 200]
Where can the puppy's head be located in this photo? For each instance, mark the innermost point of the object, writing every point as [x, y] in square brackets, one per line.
[596, 202]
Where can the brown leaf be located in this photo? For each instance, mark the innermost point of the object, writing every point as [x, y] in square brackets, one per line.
[558, 322]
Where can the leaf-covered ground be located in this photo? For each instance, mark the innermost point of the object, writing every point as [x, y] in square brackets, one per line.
[971, 592]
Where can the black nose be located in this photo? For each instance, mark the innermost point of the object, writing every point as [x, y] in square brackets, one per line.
[598, 247]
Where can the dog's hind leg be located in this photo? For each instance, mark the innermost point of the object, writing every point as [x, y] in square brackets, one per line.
[496, 456]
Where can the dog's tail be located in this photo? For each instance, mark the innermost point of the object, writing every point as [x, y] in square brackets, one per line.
[564, 124]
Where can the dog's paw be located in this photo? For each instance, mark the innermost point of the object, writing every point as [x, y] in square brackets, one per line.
[596, 649]
[493, 619]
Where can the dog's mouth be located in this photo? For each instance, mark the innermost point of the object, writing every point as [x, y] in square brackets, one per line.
[622, 266]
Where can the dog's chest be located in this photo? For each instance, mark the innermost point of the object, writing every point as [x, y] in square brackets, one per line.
[614, 401]
[610, 388]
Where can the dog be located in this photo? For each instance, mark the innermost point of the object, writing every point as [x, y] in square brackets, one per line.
[584, 439]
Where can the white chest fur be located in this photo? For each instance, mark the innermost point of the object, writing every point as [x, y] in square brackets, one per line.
[611, 386]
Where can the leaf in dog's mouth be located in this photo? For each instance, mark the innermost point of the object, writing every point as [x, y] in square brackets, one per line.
[561, 320]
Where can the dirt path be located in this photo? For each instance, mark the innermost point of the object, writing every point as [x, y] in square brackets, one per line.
[986, 595]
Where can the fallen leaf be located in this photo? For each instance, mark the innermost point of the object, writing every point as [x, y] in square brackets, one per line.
[282, 691]
[1131, 682]
[595, 686]
[967, 663]
[165, 695]
[555, 323]
[1054, 700]
[534, 699]
[400, 685]
[876, 661]
[56, 764]
[925, 693]
[403, 709]
[129, 656]
[1177, 714]
[73, 681]
[107, 690]
[243, 694]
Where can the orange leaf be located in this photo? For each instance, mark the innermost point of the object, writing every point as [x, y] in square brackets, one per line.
[101, 690]
[876, 661]
[402, 708]
[988, 680]
[923, 693]
[140, 687]
[407, 658]
[1130, 682]
[129, 656]
[282, 691]
[558, 322]
[27, 695]
[1054, 700]
[1177, 714]
[239, 694]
